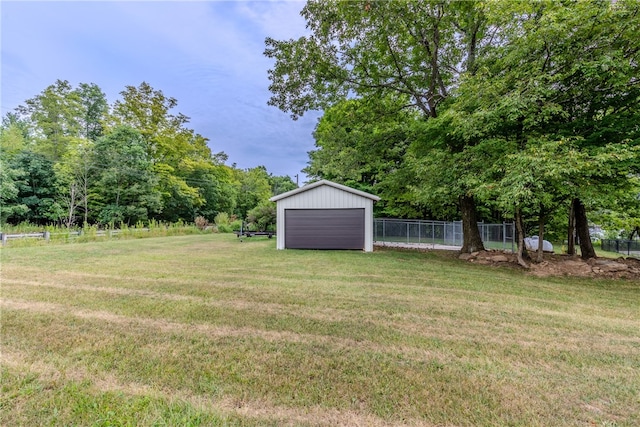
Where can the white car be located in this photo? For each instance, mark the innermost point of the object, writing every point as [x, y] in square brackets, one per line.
[531, 243]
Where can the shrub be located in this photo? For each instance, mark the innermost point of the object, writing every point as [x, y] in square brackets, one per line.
[225, 228]
[262, 217]
[201, 222]
[236, 224]
[221, 219]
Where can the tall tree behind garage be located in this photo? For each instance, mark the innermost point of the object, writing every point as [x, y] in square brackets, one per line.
[413, 49]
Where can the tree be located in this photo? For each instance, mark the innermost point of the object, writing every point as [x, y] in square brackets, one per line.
[9, 204]
[75, 175]
[125, 187]
[14, 135]
[415, 50]
[178, 153]
[93, 111]
[262, 217]
[253, 188]
[281, 184]
[36, 183]
[560, 76]
[54, 115]
[362, 144]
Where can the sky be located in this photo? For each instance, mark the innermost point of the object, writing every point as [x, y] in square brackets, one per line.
[206, 54]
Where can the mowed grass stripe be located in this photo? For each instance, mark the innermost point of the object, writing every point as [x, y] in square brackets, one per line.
[434, 308]
[394, 336]
[423, 343]
[203, 410]
[397, 329]
[293, 374]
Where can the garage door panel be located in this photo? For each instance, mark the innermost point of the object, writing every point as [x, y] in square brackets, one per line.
[324, 228]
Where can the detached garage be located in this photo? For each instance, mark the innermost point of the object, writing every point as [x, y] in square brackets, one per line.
[325, 215]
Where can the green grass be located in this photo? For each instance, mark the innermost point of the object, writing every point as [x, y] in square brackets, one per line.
[206, 330]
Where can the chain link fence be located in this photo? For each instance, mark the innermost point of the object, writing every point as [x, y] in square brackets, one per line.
[629, 247]
[494, 236]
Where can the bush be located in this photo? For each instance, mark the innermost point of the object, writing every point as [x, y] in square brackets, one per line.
[224, 228]
[262, 217]
[201, 222]
[221, 219]
[236, 224]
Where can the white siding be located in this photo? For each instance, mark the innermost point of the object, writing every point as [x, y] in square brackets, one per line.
[326, 197]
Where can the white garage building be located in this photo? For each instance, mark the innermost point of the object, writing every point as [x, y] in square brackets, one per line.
[325, 215]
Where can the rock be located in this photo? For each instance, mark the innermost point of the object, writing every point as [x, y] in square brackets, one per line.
[577, 267]
[465, 257]
[499, 258]
[613, 267]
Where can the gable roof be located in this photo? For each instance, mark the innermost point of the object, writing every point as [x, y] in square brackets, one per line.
[321, 183]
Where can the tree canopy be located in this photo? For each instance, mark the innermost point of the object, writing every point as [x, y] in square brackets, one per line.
[511, 109]
[69, 157]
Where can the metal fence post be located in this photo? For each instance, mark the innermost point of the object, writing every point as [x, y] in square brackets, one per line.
[504, 235]
[433, 233]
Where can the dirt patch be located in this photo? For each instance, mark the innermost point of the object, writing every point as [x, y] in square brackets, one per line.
[563, 265]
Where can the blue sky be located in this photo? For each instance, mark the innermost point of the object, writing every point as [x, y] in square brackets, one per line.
[207, 55]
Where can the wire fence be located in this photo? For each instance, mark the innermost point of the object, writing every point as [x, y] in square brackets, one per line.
[629, 247]
[494, 236]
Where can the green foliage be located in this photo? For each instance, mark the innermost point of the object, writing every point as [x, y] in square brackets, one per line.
[222, 219]
[253, 187]
[10, 207]
[55, 115]
[524, 105]
[262, 217]
[124, 189]
[413, 53]
[362, 144]
[94, 109]
[400, 48]
[36, 183]
[281, 184]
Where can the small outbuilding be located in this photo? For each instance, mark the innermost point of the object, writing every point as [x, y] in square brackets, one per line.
[325, 215]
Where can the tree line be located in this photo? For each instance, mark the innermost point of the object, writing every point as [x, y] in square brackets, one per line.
[68, 157]
[474, 110]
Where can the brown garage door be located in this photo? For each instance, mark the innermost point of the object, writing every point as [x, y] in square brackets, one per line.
[324, 228]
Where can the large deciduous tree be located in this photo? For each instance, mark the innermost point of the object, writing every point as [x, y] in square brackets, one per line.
[55, 117]
[93, 110]
[362, 143]
[125, 188]
[36, 182]
[180, 156]
[415, 50]
[562, 95]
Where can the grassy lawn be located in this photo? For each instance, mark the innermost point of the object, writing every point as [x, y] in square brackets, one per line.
[205, 330]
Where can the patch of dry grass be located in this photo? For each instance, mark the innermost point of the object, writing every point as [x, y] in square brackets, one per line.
[205, 330]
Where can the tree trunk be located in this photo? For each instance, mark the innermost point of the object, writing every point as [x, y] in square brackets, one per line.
[471, 239]
[582, 229]
[72, 204]
[571, 231]
[540, 255]
[520, 235]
